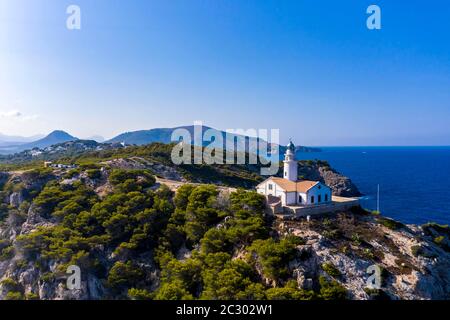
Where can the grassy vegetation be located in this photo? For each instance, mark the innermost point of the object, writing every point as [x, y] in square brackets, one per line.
[331, 270]
[390, 223]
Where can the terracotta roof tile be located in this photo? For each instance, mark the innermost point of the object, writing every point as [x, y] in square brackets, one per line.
[291, 186]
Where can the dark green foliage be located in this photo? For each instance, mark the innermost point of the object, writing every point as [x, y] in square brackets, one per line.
[94, 173]
[173, 291]
[125, 274]
[331, 290]
[274, 256]
[201, 212]
[204, 244]
[331, 270]
[139, 294]
[186, 274]
[289, 292]
[14, 295]
[131, 180]
[390, 223]
[227, 279]
[432, 228]
[376, 294]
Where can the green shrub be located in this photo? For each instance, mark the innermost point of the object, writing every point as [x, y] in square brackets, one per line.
[390, 223]
[376, 294]
[331, 290]
[356, 239]
[123, 275]
[368, 254]
[94, 174]
[14, 295]
[139, 294]
[439, 240]
[274, 256]
[32, 296]
[6, 253]
[331, 270]
[173, 291]
[416, 250]
[9, 284]
[289, 292]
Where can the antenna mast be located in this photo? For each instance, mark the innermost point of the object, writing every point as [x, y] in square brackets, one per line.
[378, 198]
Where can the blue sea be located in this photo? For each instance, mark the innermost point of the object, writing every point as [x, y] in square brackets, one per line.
[414, 181]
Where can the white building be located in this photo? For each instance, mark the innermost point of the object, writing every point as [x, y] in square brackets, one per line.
[290, 190]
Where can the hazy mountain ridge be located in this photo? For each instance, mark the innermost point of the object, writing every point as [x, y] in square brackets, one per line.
[55, 137]
[140, 137]
[163, 135]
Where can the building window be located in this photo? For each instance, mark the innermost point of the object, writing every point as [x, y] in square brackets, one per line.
[285, 173]
[319, 198]
[312, 199]
[270, 187]
[299, 199]
[326, 198]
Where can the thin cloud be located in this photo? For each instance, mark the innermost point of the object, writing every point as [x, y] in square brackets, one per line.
[11, 114]
[16, 116]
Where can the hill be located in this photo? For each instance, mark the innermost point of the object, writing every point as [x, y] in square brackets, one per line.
[163, 135]
[135, 239]
[53, 138]
[6, 140]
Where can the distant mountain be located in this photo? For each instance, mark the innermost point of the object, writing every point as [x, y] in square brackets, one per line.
[96, 138]
[55, 137]
[163, 135]
[141, 137]
[6, 140]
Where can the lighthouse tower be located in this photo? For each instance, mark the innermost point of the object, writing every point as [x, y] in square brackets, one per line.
[290, 164]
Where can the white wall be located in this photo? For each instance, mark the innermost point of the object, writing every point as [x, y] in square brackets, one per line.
[304, 198]
[276, 191]
[291, 198]
[319, 189]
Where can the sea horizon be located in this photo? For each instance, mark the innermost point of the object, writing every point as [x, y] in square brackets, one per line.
[406, 175]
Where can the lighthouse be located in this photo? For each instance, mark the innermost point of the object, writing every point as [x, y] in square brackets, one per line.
[290, 164]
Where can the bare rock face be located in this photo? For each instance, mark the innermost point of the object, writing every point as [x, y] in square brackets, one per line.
[321, 171]
[341, 185]
[408, 273]
[15, 199]
[140, 163]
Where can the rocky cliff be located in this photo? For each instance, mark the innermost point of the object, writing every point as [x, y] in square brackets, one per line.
[343, 247]
[414, 261]
[321, 171]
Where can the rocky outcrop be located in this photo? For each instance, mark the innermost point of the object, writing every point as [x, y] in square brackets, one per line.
[351, 243]
[4, 176]
[321, 171]
[157, 168]
[15, 199]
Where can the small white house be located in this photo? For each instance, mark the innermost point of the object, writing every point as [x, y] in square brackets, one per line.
[294, 192]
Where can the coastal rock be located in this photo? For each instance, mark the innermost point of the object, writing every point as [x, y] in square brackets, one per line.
[15, 199]
[321, 171]
[159, 169]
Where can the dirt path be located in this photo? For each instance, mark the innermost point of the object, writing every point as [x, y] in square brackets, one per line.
[174, 185]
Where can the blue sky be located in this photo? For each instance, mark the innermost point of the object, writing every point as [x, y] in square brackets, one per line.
[309, 68]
